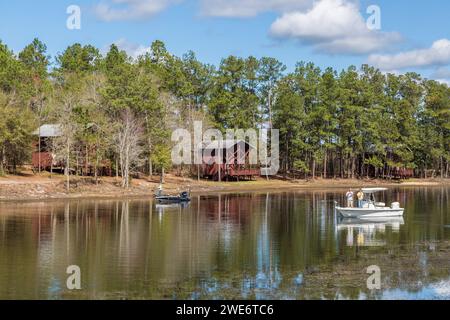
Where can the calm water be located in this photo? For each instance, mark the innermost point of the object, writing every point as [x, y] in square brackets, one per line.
[250, 246]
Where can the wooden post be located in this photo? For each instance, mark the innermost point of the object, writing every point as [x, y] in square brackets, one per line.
[68, 168]
[86, 159]
[39, 148]
[117, 168]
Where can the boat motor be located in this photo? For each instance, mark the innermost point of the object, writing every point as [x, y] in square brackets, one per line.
[395, 205]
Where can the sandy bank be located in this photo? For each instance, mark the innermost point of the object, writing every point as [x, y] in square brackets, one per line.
[44, 186]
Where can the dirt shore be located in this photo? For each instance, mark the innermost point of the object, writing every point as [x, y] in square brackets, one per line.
[28, 186]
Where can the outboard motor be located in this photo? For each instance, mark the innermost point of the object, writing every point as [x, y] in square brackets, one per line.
[395, 205]
[184, 195]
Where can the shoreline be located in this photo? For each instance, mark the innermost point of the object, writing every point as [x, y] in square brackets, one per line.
[43, 187]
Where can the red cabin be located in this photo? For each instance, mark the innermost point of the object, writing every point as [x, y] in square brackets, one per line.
[228, 160]
[43, 157]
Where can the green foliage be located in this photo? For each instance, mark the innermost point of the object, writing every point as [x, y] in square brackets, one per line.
[34, 57]
[12, 72]
[375, 162]
[161, 157]
[234, 102]
[16, 126]
[77, 58]
[301, 166]
[336, 124]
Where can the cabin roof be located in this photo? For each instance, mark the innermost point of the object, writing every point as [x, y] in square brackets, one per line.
[225, 144]
[48, 131]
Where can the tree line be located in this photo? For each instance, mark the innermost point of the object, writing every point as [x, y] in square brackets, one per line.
[114, 109]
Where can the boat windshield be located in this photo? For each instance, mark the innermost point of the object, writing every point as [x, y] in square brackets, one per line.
[370, 197]
[373, 190]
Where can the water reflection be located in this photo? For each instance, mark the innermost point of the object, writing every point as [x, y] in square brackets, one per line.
[367, 231]
[249, 245]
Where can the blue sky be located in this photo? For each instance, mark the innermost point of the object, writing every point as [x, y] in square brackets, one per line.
[414, 35]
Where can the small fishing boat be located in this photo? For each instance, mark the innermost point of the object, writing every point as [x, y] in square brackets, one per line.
[182, 198]
[371, 208]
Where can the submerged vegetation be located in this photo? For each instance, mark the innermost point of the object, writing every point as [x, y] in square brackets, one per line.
[118, 110]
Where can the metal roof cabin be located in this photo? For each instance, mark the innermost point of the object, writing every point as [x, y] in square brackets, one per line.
[48, 131]
[42, 157]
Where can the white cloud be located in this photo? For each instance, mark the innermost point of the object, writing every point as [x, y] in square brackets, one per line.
[249, 8]
[333, 26]
[132, 49]
[437, 55]
[112, 10]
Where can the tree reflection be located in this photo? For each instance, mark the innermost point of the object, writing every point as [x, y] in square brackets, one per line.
[249, 245]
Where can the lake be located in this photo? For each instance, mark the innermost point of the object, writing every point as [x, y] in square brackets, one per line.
[281, 245]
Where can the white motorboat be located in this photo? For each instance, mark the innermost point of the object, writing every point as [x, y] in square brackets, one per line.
[371, 208]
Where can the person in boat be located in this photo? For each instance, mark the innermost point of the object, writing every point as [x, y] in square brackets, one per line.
[360, 196]
[159, 191]
[349, 196]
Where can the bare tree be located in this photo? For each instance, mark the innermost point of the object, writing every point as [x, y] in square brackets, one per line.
[98, 131]
[63, 145]
[128, 139]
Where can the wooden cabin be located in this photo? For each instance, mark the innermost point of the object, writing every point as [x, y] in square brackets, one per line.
[234, 160]
[43, 156]
[82, 158]
[402, 173]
